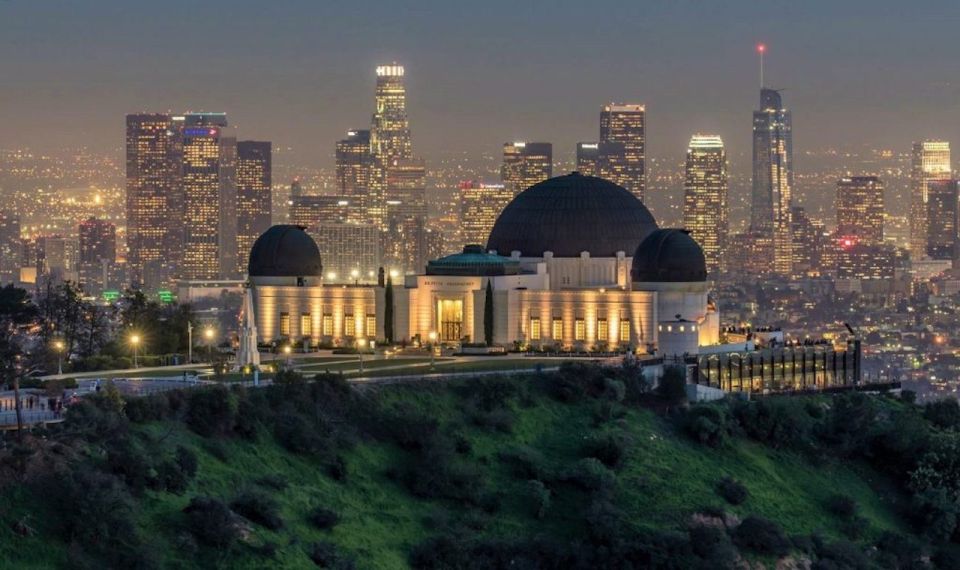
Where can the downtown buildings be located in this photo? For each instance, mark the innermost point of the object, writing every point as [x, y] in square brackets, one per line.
[705, 198]
[930, 160]
[773, 178]
[622, 146]
[525, 164]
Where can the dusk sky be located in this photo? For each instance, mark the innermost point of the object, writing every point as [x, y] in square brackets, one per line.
[299, 73]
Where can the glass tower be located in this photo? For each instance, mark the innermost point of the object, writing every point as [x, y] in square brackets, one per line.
[930, 160]
[705, 198]
[773, 177]
[624, 124]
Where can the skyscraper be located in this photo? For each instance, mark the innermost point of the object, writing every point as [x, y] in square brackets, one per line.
[390, 136]
[353, 163]
[859, 207]
[209, 198]
[930, 160]
[942, 218]
[525, 164]
[10, 247]
[350, 252]
[254, 195]
[705, 198]
[406, 214]
[624, 124]
[773, 177]
[154, 199]
[480, 206]
[98, 241]
[588, 155]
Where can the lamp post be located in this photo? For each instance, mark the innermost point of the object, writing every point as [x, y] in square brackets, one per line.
[189, 342]
[59, 346]
[208, 334]
[286, 351]
[433, 358]
[361, 344]
[355, 273]
[135, 341]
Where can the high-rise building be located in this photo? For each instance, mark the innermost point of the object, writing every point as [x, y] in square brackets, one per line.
[930, 160]
[943, 208]
[859, 207]
[525, 164]
[406, 214]
[773, 176]
[480, 206]
[353, 163]
[350, 252]
[625, 125]
[10, 247]
[865, 261]
[809, 245]
[313, 212]
[705, 198]
[209, 198]
[98, 241]
[58, 257]
[254, 195]
[588, 155]
[154, 200]
[390, 136]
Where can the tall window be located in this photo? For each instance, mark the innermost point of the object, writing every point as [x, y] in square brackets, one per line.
[370, 328]
[349, 325]
[327, 325]
[580, 330]
[306, 325]
[556, 329]
[284, 324]
[624, 330]
[535, 329]
[603, 330]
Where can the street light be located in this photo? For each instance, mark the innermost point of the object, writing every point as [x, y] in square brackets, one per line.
[361, 343]
[286, 351]
[59, 346]
[355, 273]
[433, 353]
[189, 342]
[208, 334]
[135, 341]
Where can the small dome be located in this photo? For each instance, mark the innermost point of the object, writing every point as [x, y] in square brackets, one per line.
[669, 256]
[569, 215]
[285, 251]
[474, 261]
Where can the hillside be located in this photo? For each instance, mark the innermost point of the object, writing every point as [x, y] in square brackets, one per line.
[385, 477]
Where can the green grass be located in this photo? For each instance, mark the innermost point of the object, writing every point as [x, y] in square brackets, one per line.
[665, 478]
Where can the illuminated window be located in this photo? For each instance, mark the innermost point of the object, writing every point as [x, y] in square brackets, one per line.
[370, 328]
[556, 330]
[327, 325]
[349, 326]
[306, 325]
[284, 324]
[624, 330]
[603, 330]
[535, 329]
[580, 330]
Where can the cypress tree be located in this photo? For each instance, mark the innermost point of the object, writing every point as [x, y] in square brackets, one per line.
[388, 311]
[488, 315]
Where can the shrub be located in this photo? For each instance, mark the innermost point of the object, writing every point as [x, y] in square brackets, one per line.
[187, 461]
[211, 411]
[713, 545]
[708, 424]
[127, 459]
[211, 522]
[94, 509]
[323, 518]
[944, 413]
[539, 498]
[762, 536]
[610, 449]
[841, 554]
[259, 508]
[842, 506]
[498, 419]
[275, 482]
[732, 491]
[327, 555]
[673, 385]
[526, 462]
[591, 475]
[337, 468]
[147, 408]
[904, 550]
[854, 527]
[296, 434]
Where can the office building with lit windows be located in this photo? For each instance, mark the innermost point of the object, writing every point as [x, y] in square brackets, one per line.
[624, 125]
[154, 199]
[480, 206]
[354, 164]
[11, 247]
[705, 198]
[574, 262]
[930, 160]
[389, 136]
[943, 207]
[773, 177]
[351, 252]
[859, 207]
[525, 164]
[254, 183]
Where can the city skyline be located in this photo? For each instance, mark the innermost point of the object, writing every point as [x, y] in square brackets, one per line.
[843, 100]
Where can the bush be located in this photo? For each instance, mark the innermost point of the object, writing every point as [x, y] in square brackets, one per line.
[526, 462]
[944, 413]
[841, 554]
[327, 555]
[323, 518]
[713, 545]
[275, 482]
[258, 507]
[708, 424]
[295, 434]
[591, 475]
[211, 522]
[211, 411]
[147, 408]
[842, 506]
[762, 536]
[539, 498]
[127, 459]
[610, 449]
[732, 491]
[673, 385]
